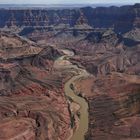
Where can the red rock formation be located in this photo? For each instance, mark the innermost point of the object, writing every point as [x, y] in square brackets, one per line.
[114, 106]
[32, 103]
[31, 89]
[32, 117]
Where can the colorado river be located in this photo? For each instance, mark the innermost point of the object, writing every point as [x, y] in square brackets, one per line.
[83, 120]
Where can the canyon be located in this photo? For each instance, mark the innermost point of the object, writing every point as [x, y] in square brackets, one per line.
[58, 64]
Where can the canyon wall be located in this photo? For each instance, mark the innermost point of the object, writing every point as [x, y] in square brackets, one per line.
[121, 18]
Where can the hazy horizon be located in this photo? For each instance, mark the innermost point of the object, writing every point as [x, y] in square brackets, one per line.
[69, 2]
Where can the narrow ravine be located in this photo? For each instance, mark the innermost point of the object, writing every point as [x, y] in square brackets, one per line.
[80, 132]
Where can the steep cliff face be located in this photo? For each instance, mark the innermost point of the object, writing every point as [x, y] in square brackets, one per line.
[120, 18]
[104, 52]
[114, 102]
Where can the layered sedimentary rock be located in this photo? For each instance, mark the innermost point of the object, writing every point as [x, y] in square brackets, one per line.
[34, 117]
[114, 106]
[105, 42]
[121, 18]
[113, 90]
[33, 104]
[103, 53]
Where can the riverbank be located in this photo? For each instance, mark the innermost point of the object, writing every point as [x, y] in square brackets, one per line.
[82, 120]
